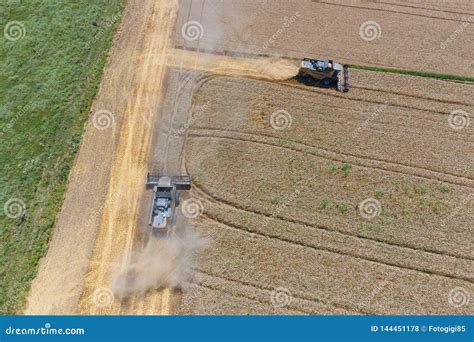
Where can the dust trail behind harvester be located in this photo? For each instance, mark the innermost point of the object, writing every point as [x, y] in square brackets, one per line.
[162, 263]
[272, 69]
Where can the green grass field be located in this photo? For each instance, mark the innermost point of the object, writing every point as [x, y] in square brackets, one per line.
[415, 73]
[52, 57]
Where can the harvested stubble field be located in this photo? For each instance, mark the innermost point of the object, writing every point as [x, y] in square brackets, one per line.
[282, 205]
[410, 35]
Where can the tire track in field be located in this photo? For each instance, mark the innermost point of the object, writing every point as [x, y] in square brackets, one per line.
[359, 256]
[415, 96]
[301, 296]
[361, 161]
[325, 306]
[408, 129]
[380, 260]
[316, 299]
[409, 5]
[294, 84]
[442, 5]
[458, 136]
[211, 77]
[389, 11]
[241, 296]
[398, 116]
[201, 79]
[201, 188]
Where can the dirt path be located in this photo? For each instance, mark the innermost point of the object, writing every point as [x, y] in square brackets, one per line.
[116, 236]
[110, 169]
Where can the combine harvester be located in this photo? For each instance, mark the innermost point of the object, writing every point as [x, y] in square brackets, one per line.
[166, 198]
[325, 73]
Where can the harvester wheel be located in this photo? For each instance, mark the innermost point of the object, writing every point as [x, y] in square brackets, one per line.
[178, 198]
[326, 82]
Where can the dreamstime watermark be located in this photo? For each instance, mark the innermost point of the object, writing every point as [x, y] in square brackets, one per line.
[103, 119]
[108, 24]
[14, 208]
[370, 208]
[287, 22]
[97, 213]
[370, 30]
[377, 289]
[31, 164]
[458, 297]
[23, 110]
[457, 32]
[47, 329]
[280, 120]
[14, 30]
[192, 208]
[103, 297]
[281, 207]
[10, 303]
[458, 119]
[192, 30]
[281, 297]
[196, 115]
[458, 208]
[366, 123]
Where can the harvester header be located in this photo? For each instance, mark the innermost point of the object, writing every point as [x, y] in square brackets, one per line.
[166, 198]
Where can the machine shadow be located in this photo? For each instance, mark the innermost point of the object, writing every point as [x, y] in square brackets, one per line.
[311, 82]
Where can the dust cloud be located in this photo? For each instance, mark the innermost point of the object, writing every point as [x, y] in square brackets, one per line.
[164, 262]
[273, 69]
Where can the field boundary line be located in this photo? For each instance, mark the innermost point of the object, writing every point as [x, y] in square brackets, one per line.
[449, 77]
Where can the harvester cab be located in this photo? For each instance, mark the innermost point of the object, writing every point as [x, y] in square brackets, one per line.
[325, 73]
[166, 198]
